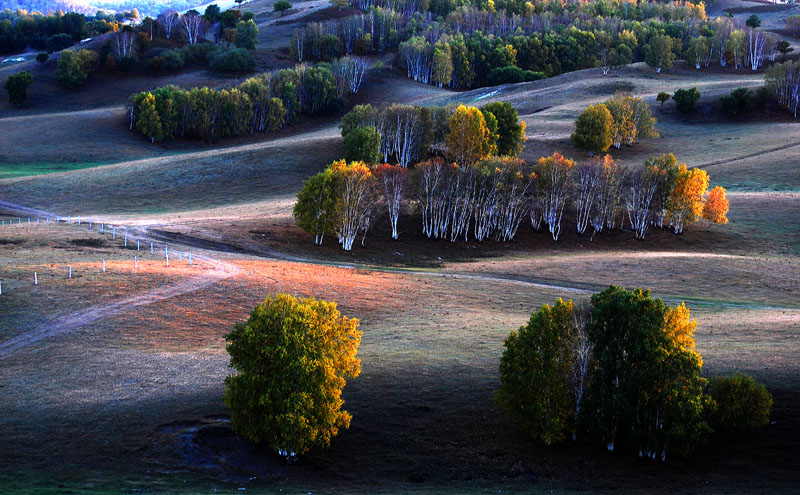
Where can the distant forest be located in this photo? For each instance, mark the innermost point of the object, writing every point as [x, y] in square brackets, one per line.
[145, 7]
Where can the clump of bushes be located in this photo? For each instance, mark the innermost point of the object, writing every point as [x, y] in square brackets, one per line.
[218, 58]
[236, 60]
[512, 74]
[738, 102]
[686, 99]
[742, 404]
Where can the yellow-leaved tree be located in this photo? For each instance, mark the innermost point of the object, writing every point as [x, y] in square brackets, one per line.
[716, 206]
[686, 199]
[468, 136]
[292, 358]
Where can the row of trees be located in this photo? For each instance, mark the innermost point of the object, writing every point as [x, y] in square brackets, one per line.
[623, 372]
[621, 119]
[412, 133]
[260, 104]
[492, 198]
[20, 29]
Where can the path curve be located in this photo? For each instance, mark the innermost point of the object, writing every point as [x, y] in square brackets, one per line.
[220, 270]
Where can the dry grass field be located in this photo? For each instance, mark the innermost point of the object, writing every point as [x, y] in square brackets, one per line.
[122, 395]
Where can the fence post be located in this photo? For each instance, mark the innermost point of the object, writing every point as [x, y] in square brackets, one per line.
[137, 244]
[190, 258]
[151, 249]
[102, 228]
[114, 233]
[126, 240]
[104, 266]
[70, 272]
[135, 263]
[35, 279]
[166, 254]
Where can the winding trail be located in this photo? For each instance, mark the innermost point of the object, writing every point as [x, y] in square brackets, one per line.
[220, 270]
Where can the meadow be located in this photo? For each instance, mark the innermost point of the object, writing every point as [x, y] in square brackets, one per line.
[128, 399]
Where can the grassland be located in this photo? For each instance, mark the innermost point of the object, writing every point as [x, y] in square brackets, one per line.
[131, 401]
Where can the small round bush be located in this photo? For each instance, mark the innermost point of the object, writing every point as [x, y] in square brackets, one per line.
[42, 57]
[742, 403]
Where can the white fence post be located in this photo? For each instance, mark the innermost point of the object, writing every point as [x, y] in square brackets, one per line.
[104, 266]
[135, 262]
[70, 272]
[35, 279]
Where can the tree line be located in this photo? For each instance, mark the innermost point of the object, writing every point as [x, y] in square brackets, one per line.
[475, 46]
[260, 104]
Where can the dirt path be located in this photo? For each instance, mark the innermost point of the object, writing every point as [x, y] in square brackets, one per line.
[219, 270]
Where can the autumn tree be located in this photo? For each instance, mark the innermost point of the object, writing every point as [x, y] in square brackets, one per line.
[148, 121]
[623, 127]
[354, 199]
[593, 129]
[607, 199]
[510, 130]
[716, 206]
[291, 360]
[543, 370]
[17, 86]
[646, 392]
[468, 136]
[687, 197]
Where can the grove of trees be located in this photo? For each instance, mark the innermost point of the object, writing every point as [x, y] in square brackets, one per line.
[292, 358]
[622, 372]
[621, 119]
[492, 197]
[260, 104]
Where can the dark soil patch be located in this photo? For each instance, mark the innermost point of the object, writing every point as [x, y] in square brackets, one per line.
[95, 243]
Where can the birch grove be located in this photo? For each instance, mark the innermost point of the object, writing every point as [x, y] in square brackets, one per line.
[492, 198]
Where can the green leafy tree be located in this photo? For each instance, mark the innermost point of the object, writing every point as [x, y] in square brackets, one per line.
[740, 101]
[536, 371]
[741, 404]
[42, 57]
[784, 47]
[753, 22]
[246, 35]
[646, 391]
[315, 209]
[17, 87]
[212, 13]
[686, 99]
[593, 129]
[362, 145]
[281, 6]
[292, 359]
[510, 130]
[74, 67]
[662, 97]
[658, 52]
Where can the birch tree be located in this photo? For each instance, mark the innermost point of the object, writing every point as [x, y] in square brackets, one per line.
[168, 20]
[553, 174]
[394, 180]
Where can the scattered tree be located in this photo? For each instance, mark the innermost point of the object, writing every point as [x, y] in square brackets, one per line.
[74, 67]
[281, 6]
[42, 57]
[17, 87]
[741, 404]
[292, 358]
[246, 35]
[658, 52]
[662, 97]
[686, 99]
[716, 206]
[753, 21]
[593, 129]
